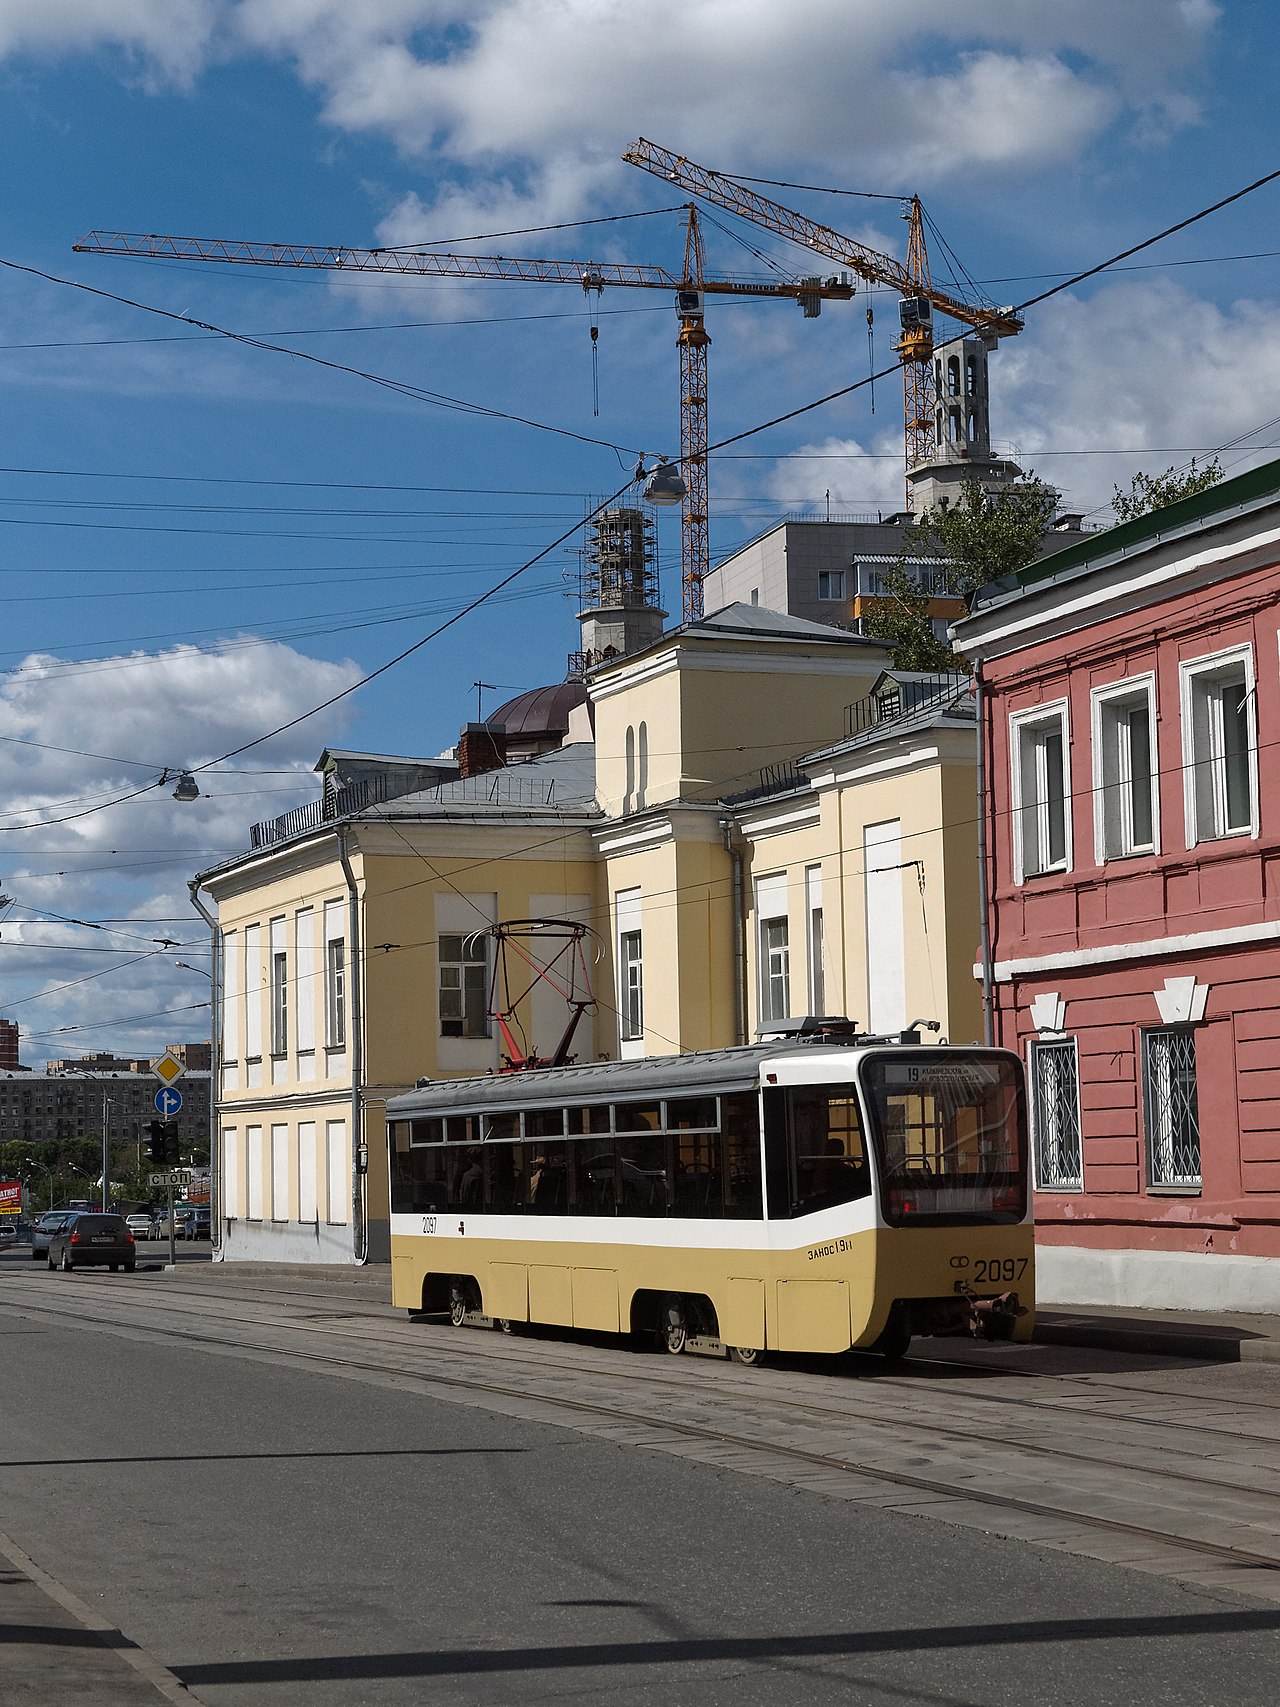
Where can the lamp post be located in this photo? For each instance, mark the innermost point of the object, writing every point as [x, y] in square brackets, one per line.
[32, 1163]
[107, 1105]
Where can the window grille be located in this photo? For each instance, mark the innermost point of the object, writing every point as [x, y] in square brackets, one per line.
[1056, 1089]
[1172, 1112]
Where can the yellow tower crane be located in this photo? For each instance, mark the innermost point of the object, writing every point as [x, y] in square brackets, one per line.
[690, 291]
[918, 296]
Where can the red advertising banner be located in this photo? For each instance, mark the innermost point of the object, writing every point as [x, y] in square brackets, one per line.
[10, 1197]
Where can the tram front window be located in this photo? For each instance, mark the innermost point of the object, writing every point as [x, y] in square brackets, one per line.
[950, 1136]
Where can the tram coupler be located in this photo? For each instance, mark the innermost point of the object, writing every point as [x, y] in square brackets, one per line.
[991, 1318]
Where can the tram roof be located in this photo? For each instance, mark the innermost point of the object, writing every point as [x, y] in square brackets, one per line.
[703, 1072]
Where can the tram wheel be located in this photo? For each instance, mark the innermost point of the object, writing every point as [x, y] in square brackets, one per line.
[749, 1356]
[457, 1306]
[675, 1324]
[895, 1341]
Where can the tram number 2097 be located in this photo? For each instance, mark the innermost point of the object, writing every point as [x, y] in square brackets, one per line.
[428, 1223]
[991, 1269]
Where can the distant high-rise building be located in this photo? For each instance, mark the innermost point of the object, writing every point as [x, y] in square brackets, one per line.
[9, 1046]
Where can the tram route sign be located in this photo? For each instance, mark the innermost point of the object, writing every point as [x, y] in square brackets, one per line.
[175, 1176]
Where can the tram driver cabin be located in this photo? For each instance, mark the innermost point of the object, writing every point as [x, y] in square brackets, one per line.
[815, 1196]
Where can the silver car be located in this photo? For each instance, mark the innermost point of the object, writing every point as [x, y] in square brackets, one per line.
[49, 1223]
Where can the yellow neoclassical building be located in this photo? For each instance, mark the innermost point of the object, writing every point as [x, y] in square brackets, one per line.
[765, 822]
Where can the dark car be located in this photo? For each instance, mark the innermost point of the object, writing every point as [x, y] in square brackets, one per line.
[197, 1225]
[46, 1227]
[99, 1240]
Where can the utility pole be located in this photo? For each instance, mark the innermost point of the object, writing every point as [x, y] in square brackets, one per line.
[106, 1153]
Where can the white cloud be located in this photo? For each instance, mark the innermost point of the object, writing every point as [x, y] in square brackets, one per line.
[171, 37]
[130, 862]
[1142, 367]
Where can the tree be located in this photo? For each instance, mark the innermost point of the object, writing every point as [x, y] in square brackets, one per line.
[1146, 494]
[983, 537]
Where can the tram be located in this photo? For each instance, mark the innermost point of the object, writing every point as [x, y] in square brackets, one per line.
[816, 1193]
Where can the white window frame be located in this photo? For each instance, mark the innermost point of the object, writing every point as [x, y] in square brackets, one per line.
[253, 1166]
[1193, 674]
[631, 985]
[814, 938]
[304, 961]
[831, 579]
[1063, 1183]
[628, 926]
[1112, 702]
[230, 1173]
[279, 967]
[773, 957]
[466, 965]
[1029, 723]
[335, 976]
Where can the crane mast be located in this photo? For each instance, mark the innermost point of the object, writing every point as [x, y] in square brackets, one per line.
[689, 292]
[918, 295]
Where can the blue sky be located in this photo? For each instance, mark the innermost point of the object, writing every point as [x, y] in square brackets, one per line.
[231, 535]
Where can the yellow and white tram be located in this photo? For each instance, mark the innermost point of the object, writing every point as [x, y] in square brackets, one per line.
[802, 1195]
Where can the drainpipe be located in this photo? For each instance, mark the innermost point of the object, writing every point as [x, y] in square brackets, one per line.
[734, 850]
[980, 706]
[359, 1151]
[215, 1073]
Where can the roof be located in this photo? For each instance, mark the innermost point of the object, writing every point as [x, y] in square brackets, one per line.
[756, 622]
[1218, 503]
[540, 711]
[563, 780]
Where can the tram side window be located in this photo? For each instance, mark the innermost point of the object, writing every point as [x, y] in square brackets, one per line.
[548, 1179]
[741, 1137]
[815, 1153]
[421, 1178]
[697, 1175]
[642, 1174]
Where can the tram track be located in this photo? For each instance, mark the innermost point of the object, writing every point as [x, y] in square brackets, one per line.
[794, 1406]
[659, 1420]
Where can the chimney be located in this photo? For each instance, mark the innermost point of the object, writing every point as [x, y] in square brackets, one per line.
[481, 747]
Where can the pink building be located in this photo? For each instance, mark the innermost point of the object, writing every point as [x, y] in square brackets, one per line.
[1130, 726]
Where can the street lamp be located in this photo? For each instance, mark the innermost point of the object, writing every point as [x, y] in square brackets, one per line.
[32, 1163]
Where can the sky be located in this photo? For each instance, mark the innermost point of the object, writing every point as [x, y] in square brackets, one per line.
[201, 538]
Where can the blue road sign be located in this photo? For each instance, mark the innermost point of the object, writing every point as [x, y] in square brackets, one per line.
[168, 1102]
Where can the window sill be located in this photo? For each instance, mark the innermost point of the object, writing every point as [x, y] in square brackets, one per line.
[1175, 1190]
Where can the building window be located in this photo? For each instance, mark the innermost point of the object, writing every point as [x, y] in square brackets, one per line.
[1055, 1091]
[1124, 771]
[335, 977]
[1219, 748]
[252, 986]
[279, 1002]
[631, 985]
[831, 584]
[817, 957]
[464, 967]
[1172, 1114]
[1041, 791]
[775, 970]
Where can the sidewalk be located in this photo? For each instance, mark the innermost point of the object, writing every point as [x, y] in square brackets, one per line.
[1207, 1337]
[57, 1649]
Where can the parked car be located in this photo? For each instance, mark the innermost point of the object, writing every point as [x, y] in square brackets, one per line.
[44, 1229]
[97, 1240]
[198, 1224]
[141, 1224]
[8, 1230]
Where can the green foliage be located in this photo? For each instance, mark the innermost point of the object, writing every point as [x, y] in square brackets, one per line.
[1147, 493]
[983, 537]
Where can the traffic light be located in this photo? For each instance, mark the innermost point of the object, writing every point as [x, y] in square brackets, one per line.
[162, 1142]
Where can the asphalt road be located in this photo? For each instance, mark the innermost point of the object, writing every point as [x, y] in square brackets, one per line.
[284, 1536]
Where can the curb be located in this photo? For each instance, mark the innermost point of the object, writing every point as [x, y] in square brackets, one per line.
[1204, 1345]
